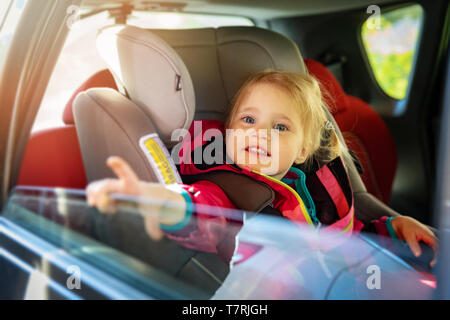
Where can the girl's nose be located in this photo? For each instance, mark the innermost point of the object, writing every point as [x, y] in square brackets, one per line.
[262, 133]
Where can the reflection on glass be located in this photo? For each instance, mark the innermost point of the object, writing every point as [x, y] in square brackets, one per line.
[271, 258]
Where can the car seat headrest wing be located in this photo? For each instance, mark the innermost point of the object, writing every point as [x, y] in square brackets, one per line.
[244, 51]
[153, 75]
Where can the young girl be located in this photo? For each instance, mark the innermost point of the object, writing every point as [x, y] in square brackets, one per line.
[286, 135]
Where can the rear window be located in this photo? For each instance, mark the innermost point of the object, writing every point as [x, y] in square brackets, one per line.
[390, 41]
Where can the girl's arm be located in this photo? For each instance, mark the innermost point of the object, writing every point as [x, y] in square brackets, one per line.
[129, 184]
[192, 215]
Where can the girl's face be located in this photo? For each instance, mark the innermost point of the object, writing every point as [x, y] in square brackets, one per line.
[266, 132]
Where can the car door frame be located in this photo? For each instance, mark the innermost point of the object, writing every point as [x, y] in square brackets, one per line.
[29, 63]
[442, 196]
[31, 57]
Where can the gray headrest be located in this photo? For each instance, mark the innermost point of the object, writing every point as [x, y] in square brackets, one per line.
[219, 61]
[153, 75]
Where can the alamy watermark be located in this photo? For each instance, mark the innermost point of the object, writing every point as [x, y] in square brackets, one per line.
[374, 21]
[74, 280]
[374, 280]
[238, 146]
[73, 16]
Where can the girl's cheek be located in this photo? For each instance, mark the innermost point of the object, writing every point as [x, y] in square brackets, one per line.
[231, 147]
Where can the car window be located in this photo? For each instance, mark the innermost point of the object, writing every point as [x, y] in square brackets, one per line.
[171, 20]
[10, 12]
[274, 259]
[79, 58]
[391, 43]
[77, 62]
[116, 244]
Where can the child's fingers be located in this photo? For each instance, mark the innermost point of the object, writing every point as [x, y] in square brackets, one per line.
[413, 244]
[98, 193]
[435, 257]
[106, 205]
[432, 241]
[152, 226]
[429, 239]
[92, 191]
[434, 261]
[123, 170]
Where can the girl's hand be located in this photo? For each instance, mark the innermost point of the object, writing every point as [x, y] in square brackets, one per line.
[129, 184]
[412, 231]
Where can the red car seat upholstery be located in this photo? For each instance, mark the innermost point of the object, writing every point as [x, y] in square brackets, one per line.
[101, 79]
[52, 157]
[364, 131]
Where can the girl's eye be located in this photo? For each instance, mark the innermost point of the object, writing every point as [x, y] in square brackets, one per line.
[280, 127]
[249, 119]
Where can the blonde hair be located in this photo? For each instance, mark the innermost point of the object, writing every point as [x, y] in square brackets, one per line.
[320, 139]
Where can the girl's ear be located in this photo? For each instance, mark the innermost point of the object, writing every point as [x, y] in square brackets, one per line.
[301, 156]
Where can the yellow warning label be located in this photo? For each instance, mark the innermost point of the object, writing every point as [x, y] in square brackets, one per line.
[161, 161]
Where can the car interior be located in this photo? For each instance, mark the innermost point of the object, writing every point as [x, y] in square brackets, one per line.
[395, 161]
[393, 141]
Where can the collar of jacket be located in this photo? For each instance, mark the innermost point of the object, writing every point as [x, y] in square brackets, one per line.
[201, 134]
[294, 202]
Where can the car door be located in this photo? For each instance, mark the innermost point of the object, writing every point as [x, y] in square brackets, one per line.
[56, 247]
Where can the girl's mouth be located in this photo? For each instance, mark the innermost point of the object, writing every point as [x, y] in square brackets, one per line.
[258, 151]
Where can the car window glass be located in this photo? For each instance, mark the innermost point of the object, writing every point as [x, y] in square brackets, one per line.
[391, 44]
[274, 259]
[170, 20]
[77, 62]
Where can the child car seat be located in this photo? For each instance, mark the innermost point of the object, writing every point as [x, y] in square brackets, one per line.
[158, 96]
[219, 61]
